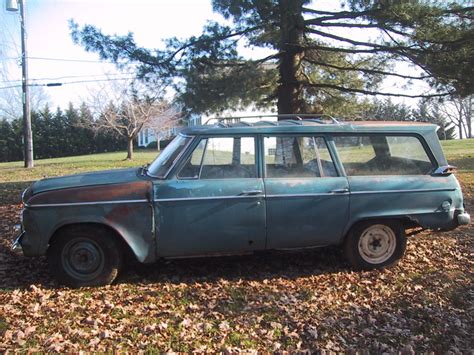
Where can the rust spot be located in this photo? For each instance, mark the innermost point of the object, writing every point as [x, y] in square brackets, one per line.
[129, 191]
[120, 211]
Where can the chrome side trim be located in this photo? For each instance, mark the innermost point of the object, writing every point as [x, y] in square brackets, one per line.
[309, 195]
[84, 203]
[401, 191]
[23, 194]
[207, 198]
[232, 197]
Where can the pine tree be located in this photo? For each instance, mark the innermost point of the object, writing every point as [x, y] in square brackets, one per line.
[309, 63]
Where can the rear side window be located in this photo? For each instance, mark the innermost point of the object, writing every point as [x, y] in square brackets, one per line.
[297, 156]
[383, 155]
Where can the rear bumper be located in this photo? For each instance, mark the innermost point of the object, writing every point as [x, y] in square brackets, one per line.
[464, 219]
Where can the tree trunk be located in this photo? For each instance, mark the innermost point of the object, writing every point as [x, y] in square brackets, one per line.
[460, 129]
[289, 90]
[129, 148]
[158, 140]
[469, 116]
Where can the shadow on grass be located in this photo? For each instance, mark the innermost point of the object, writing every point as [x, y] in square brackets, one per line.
[17, 271]
[254, 267]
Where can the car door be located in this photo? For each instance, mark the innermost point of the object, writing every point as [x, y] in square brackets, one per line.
[307, 198]
[215, 202]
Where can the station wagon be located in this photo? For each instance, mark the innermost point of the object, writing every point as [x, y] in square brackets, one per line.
[236, 187]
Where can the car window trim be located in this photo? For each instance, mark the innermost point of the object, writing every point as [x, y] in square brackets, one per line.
[177, 159]
[324, 136]
[207, 137]
[421, 139]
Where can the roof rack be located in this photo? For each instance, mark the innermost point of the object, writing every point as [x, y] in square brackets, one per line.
[294, 118]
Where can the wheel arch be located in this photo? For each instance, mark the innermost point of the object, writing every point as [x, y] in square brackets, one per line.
[124, 245]
[404, 221]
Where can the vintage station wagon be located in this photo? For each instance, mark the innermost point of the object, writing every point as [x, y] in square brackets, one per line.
[233, 188]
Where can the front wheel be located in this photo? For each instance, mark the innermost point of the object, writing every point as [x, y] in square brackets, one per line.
[375, 245]
[85, 257]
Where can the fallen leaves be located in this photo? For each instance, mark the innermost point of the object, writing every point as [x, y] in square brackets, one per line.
[276, 301]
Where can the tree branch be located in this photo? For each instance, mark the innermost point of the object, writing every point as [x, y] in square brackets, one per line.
[240, 63]
[365, 70]
[399, 47]
[368, 92]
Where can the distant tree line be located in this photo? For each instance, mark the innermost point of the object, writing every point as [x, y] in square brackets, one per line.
[75, 131]
[429, 111]
[57, 134]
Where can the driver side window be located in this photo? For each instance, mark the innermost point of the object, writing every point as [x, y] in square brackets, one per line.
[221, 158]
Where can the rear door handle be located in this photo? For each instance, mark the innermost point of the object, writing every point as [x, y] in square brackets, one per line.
[340, 191]
[251, 192]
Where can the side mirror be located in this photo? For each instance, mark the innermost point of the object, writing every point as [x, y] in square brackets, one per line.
[444, 170]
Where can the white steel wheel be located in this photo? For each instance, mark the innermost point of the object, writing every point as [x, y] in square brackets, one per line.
[377, 243]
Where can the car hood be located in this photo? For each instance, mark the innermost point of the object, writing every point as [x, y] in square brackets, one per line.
[104, 177]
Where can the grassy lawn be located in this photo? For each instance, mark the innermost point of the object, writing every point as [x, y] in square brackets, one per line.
[273, 301]
[10, 172]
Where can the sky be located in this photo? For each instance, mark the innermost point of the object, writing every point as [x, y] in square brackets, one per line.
[55, 58]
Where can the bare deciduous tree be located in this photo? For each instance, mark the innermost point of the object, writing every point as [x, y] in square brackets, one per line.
[162, 123]
[125, 108]
[459, 111]
[11, 105]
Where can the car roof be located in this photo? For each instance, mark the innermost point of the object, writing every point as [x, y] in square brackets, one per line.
[309, 126]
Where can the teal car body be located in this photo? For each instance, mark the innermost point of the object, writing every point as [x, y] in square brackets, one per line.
[233, 189]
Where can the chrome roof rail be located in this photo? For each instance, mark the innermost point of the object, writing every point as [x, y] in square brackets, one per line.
[297, 118]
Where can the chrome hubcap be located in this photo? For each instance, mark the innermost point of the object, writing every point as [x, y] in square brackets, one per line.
[377, 243]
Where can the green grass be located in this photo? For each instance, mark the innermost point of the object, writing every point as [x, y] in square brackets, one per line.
[13, 171]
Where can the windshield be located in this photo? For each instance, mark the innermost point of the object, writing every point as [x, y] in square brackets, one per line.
[165, 160]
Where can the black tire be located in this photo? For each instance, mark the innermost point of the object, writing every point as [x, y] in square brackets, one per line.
[85, 256]
[375, 245]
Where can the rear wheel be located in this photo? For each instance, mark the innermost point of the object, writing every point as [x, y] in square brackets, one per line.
[85, 257]
[375, 244]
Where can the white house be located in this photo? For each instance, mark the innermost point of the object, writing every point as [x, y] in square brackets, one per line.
[147, 135]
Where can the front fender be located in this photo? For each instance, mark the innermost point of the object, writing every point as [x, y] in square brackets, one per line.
[132, 222]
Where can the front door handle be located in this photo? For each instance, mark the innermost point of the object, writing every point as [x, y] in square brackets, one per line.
[340, 191]
[251, 192]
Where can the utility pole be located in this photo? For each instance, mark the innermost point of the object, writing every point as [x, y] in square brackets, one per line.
[12, 5]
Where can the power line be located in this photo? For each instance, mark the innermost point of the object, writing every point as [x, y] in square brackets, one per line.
[72, 60]
[10, 87]
[62, 60]
[70, 77]
[69, 82]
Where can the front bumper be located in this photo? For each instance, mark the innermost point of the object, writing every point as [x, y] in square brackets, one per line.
[17, 243]
[464, 219]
